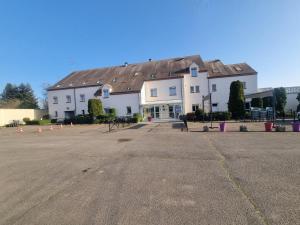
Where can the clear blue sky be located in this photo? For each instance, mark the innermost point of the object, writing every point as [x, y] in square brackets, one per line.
[41, 41]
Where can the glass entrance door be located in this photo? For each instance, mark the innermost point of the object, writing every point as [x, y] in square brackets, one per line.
[157, 116]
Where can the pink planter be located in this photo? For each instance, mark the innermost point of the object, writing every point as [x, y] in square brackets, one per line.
[296, 127]
[149, 118]
[268, 126]
[222, 127]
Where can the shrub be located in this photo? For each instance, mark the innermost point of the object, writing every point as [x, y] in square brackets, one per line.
[257, 102]
[199, 114]
[190, 116]
[38, 122]
[236, 103]
[53, 121]
[26, 119]
[95, 107]
[46, 117]
[280, 96]
[137, 117]
[113, 112]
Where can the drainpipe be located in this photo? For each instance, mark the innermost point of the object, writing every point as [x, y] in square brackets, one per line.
[183, 95]
[75, 101]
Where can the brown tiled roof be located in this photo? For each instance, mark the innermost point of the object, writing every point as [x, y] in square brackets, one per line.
[217, 69]
[130, 78]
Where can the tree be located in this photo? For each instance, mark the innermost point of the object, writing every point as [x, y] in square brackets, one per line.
[236, 103]
[267, 102]
[298, 98]
[22, 94]
[280, 96]
[44, 100]
[257, 102]
[95, 107]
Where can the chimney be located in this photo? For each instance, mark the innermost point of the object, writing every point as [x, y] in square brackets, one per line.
[150, 60]
[126, 64]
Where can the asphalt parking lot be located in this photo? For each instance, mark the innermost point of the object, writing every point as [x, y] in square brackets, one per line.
[152, 174]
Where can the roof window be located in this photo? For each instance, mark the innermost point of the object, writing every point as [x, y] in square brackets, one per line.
[237, 68]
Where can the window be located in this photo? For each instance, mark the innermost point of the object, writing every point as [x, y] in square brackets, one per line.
[68, 97]
[172, 91]
[192, 89]
[83, 112]
[106, 110]
[194, 72]
[245, 85]
[82, 98]
[153, 92]
[55, 100]
[56, 114]
[128, 110]
[105, 93]
[214, 88]
[197, 89]
[195, 107]
[215, 105]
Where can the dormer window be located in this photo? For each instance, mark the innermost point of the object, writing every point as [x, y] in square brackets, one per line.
[105, 93]
[152, 76]
[194, 71]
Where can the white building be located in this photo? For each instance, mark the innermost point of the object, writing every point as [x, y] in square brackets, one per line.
[162, 89]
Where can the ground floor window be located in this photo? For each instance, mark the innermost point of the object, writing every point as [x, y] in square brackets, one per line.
[164, 111]
[56, 114]
[83, 112]
[128, 108]
[195, 107]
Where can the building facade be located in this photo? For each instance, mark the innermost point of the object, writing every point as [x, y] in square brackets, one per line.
[161, 89]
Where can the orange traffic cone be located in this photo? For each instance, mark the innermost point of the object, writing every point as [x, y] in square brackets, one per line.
[39, 130]
[51, 128]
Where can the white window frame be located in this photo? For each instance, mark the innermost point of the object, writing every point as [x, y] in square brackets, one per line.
[68, 99]
[195, 107]
[153, 92]
[105, 93]
[197, 89]
[214, 88]
[55, 100]
[194, 72]
[172, 91]
[82, 98]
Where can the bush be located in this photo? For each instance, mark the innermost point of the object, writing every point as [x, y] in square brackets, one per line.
[113, 112]
[46, 117]
[38, 122]
[53, 120]
[199, 114]
[236, 103]
[26, 119]
[95, 107]
[257, 102]
[190, 116]
[137, 117]
[79, 119]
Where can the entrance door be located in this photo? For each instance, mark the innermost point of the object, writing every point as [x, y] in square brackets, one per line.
[156, 109]
[171, 111]
[69, 114]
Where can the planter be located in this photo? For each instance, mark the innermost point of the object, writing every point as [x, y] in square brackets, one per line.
[268, 126]
[149, 118]
[205, 129]
[296, 127]
[280, 128]
[243, 128]
[222, 127]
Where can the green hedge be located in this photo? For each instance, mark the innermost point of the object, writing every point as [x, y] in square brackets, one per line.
[200, 116]
[38, 122]
[137, 117]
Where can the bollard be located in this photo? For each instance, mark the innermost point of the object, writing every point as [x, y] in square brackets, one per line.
[61, 126]
[71, 124]
[51, 128]
[39, 130]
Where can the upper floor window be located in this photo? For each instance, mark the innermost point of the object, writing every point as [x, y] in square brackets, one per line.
[194, 72]
[197, 89]
[68, 97]
[214, 88]
[82, 98]
[172, 91]
[153, 92]
[128, 108]
[192, 89]
[105, 93]
[55, 100]
[244, 85]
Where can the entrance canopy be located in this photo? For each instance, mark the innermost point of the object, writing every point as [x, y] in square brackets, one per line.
[262, 94]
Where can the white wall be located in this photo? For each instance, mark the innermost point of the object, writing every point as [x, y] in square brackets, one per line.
[8, 115]
[194, 98]
[221, 96]
[163, 93]
[62, 106]
[89, 94]
[120, 103]
[292, 102]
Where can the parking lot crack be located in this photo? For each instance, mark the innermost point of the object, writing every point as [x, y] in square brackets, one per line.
[234, 182]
